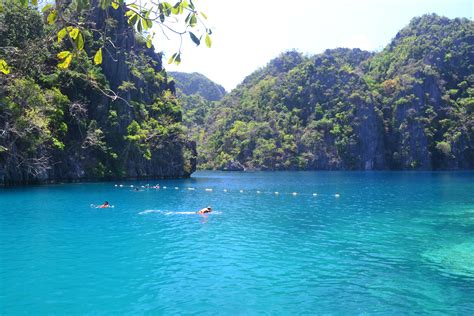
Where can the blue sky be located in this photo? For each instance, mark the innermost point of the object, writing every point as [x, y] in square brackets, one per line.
[248, 33]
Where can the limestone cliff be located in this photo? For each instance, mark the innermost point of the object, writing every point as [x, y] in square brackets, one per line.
[82, 130]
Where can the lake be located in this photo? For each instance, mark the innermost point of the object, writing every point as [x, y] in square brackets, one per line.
[279, 243]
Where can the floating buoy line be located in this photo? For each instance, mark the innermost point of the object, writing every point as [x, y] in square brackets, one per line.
[210, 190]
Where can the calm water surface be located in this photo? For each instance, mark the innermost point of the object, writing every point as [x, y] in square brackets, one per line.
[392, 243]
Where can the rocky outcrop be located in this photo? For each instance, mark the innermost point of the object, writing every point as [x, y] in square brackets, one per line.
[233, 166]
[409, 107]
[136, 134]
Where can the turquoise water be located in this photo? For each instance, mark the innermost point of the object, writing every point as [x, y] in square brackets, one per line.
[392, 243]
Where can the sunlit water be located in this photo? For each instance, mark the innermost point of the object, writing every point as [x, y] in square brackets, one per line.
[391, 243]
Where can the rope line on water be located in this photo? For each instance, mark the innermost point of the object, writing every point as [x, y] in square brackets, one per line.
[210, 190]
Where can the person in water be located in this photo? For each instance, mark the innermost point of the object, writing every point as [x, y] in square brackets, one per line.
[205, 210]
[105, 205]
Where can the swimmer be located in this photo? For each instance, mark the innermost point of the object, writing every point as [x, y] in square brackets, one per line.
[105, 205]
[205, 210]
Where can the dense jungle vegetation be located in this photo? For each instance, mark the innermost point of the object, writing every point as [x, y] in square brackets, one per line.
[409, 106]
[116, 118]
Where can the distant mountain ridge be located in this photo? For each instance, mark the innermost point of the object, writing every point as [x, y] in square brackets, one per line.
[408, 107]
[196, 83]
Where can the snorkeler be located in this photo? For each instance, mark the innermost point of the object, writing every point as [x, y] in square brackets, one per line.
[105, 205]
[205, 210]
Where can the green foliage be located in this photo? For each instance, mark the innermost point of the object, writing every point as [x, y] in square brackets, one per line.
[197, 84]
[79, 121]
[444, 147]
[4, 67]
[62, 18]
[409, 106]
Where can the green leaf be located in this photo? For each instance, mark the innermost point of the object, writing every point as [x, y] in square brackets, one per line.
[193, 20]
[34, 2]
[98, 57]
[64, 54]
[133, 19]
[65, 63]
[115, 5]
[167, 9]
[149, 23]
[139, 25]
[61, 34]
[52, 17]
[172, 58]
[194, 38]
[177, 60]
[4, 67]
[146, 23]
[175, 10]
[148, 42]
[80, 42]
[47, 7]
[208, 41]
[203, 15]
[187, 18]
[74, 32]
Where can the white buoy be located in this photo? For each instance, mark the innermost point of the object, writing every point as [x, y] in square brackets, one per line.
[164, 187]
[337, 195]
[131, 185]
[276, 192]
[116, 185]
[294, 193]
[121, 185]
[209, 190]
[241, 191]
[258, 192]
[315, 194]
[191, 189]
[225, 190]
[176, 188]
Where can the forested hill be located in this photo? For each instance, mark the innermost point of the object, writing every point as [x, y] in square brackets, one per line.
[198, 96]
[60, 125]
[198, 84]
[410, 106]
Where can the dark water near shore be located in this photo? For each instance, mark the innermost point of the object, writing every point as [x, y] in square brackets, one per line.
[392, 242]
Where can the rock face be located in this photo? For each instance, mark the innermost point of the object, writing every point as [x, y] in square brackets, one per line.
[410, 106]
[137, 134]
[233, 166]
